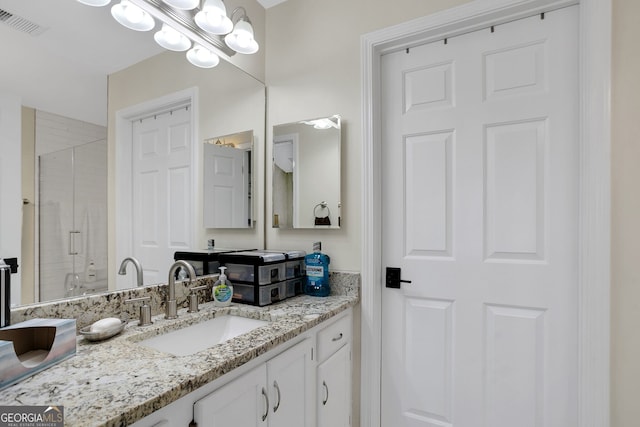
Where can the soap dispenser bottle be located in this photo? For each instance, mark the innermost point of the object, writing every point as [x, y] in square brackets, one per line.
[317, 278]
[222, 290]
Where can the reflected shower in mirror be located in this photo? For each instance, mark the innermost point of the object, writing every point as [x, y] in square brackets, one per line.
[306, 174]
[228, 181]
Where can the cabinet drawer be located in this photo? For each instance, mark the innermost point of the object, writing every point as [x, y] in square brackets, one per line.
[334, 336]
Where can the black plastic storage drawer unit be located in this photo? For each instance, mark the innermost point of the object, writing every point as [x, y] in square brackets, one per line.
[258, 277]
[294, 270]
[206, 261]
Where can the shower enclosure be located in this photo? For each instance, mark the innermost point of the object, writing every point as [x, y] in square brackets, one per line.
[73, 221]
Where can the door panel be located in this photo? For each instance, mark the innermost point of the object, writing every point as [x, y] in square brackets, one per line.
[514, 365]
[428, 190]
[427, 358]
[515, 190]
[479, 207]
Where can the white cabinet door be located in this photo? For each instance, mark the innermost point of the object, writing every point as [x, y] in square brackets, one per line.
[334, 389]
[243, 403]
[277, 393]
[290, 381]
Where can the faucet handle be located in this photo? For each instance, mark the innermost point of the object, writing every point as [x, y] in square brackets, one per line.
[145, 310]
[193, 298]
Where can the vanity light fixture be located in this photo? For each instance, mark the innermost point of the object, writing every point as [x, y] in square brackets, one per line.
[202, 57]
[171, 39]
[182, 26]
[96, 3]
[213, 17]
[183, 4]
[132, 17]
[241, 38]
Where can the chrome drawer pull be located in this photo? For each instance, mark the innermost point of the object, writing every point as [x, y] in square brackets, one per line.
[266, 398]
[326, 390]
[277, 405]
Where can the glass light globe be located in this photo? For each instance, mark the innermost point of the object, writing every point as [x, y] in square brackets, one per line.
[202, 57]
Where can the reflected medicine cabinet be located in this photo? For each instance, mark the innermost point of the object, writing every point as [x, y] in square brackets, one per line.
[228, 181]
[306, 174]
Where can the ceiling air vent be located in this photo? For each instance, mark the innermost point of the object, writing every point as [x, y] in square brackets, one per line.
[21, 24]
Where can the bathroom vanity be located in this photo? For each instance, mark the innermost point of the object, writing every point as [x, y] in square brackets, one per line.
[297, 367]
[303, 382]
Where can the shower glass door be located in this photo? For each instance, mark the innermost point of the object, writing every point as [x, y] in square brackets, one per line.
[73, 221]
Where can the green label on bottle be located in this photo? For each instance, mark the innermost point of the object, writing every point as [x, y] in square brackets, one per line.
[222, 293]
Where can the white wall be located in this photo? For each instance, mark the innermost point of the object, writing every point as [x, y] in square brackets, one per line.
[625, 245]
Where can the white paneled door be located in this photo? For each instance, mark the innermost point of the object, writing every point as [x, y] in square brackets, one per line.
[162, 191]
[480, 167]
[226, 177]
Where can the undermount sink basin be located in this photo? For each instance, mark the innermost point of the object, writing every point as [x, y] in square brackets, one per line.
[203, 335]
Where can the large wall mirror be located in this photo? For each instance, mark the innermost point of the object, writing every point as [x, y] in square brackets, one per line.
[230, 101]
[306, 174]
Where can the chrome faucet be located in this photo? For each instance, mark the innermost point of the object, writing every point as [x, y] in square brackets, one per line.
[172, 307]
[136, 263]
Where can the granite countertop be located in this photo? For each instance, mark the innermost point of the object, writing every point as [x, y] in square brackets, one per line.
[118, 382]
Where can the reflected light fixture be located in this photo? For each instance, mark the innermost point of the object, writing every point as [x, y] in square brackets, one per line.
[183, 4]
[324, 123]
[241, 38]
[202, 57]
[213, 18]
[96, 3]
[171, 39]
[132, 17]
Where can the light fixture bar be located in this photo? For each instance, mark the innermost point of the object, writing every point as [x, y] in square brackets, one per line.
[185, 19]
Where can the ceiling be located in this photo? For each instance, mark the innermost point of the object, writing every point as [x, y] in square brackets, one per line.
[73, 42]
